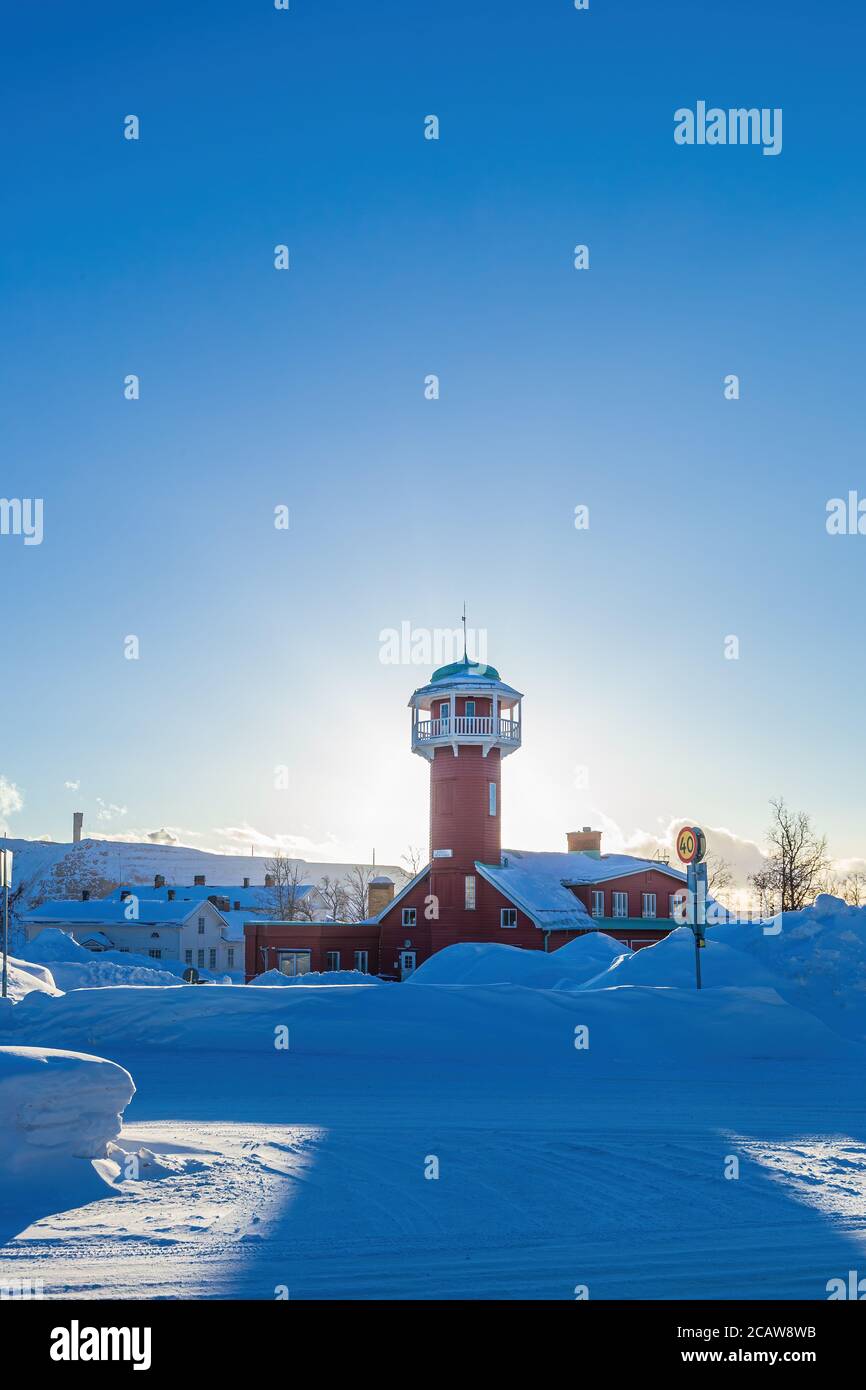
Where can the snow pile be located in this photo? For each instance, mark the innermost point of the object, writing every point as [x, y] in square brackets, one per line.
[317, 977]
[817, 959]
[495, 963]
[645, 1029]
[58, 1110]
[22, 977]
[670, 963]
[74, 967]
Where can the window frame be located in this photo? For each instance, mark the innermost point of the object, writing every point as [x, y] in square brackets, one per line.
[470, 893]
[596, 898]
[507, 911]
[645, 914]
[619, 898]
[409, 917]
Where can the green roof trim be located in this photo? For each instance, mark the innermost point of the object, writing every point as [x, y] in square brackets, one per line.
[457, 669]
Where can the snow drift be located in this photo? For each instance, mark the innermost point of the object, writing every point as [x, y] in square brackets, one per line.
[72, 966]
[494, 963]
[670, 964]
[317, 977]
[645, 1029]
[59, 1111]
[22, 977]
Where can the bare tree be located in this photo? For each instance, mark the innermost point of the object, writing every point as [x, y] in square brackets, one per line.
[287, 890]
[357, 884]
[792, 874]
[719, 875]
[413, 860]
[336, 898]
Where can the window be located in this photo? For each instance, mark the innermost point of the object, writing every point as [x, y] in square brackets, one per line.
[201, 926]
[444, 710]
[470, 709]
[649, 905]
[332, 960]
[361, 958]
[508, 917]
[155, 953]
[230, 957]
[187, 956]
[469, 894]
[200, 958]
[492, 807]
[676, 906]
[293, 962]
[597, 902]
[410, 916]
[211, 959]
[620, 904]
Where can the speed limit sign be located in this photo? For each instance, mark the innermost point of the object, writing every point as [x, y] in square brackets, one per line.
[691, 844]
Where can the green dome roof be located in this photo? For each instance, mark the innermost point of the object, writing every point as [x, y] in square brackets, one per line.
[458, 669]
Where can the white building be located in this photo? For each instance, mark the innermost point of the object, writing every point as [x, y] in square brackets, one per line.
[186, 930]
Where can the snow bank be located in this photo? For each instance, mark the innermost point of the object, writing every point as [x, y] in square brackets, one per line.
[645, 1029]
[493, 963]
[817, 959]
[74, 967]
[671, 964]
[58, 1111]
[317, 977]
[22, 977]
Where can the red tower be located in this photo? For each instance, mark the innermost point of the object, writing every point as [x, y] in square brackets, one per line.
[465, 721]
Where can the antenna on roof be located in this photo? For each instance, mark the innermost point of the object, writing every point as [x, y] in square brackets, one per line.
[463, 620]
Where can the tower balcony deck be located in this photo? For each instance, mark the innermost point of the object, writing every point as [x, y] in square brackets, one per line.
[480, 729]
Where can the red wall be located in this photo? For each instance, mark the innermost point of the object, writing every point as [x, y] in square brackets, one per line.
[316, 937]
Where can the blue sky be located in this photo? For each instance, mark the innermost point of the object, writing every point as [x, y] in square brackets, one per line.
[605, 388]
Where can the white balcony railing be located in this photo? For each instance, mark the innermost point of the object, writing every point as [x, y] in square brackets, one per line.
[463, 725]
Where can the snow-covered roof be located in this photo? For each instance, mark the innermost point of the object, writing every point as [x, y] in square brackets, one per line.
[256, 896]
[581, 869]
[105, 912]
[537, 892]
[539, 883]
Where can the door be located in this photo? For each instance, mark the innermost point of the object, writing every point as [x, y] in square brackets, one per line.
[407, 964]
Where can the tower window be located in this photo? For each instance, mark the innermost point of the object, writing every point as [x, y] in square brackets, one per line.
[508, 917]
[469, 900]
[493, 798]
[410, 916]
[470, 709]
[444, 710]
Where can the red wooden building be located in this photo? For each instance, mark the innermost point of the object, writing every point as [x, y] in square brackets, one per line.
[464, 722]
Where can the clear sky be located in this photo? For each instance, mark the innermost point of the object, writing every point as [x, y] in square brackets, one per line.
[260, 648]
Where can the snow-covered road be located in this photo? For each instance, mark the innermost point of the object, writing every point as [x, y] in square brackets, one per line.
[313, 1181]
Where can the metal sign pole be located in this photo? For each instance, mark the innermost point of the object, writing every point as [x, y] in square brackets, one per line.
[5, 856]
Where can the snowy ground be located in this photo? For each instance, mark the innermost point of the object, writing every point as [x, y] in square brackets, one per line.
[314, 1180]
[247, 1170]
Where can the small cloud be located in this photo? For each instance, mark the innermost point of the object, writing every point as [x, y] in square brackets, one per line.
[11, 799]
[162, 837]
[72, 786]
[108, 810]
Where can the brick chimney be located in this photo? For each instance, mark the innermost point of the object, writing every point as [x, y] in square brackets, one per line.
[198, 881]
[159, 880]
[585, 841]
[246, 883]
[77, 822]
[380, 892]
[269, 880]
[170, 895]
